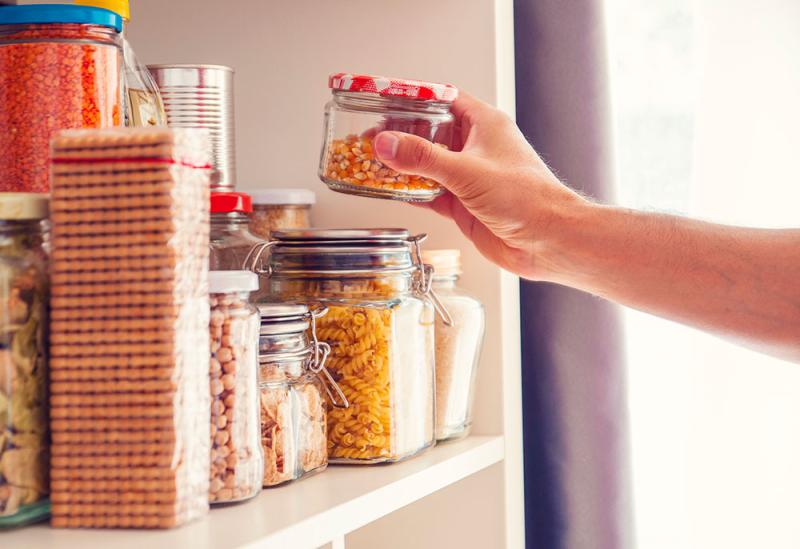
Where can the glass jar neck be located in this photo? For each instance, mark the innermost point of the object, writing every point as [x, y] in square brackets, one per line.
[18, 237]
[445, 282]
[232, 221]
[364, 101]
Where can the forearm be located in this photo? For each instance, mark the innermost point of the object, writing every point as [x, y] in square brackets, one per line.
[737, 282]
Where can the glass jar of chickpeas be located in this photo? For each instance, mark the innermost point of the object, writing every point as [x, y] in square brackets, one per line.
[361, 106]
[379, 326]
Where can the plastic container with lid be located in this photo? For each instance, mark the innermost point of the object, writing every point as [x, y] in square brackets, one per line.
[293, 383]
[237, 462]
[60, 67]
[278, 209]
[24, 298]
[458, 346]
[379, 326]
[364, 105]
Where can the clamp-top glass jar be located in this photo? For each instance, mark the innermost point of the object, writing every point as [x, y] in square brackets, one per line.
[292, 382]
[379, 326]
[364, 105]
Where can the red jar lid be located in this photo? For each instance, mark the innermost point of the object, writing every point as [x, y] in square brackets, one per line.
[231, 202]
[394, 87]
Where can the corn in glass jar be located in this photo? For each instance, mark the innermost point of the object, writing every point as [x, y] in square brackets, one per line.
[278, 209]
[237, 461]
[292, 384]
[360, 108]
[24, 298]
[379, 326]
[458, 346]
[60, 68]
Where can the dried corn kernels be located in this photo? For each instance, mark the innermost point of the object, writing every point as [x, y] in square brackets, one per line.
[352, 161]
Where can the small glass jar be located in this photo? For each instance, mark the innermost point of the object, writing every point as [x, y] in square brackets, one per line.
[60, 67]
[379, 326]
[24, 298]
[293, 407]
[363, 106]
[237, 461]
[458, 346]
[278, 209]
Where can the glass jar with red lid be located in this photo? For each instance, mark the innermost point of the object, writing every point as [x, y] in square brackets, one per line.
[232, 244]
[362, 106]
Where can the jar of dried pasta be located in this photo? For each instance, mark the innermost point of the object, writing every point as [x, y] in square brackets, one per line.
[237, 461]
[292, 385]
[379, 326]
[277, 209]
[458, 346]
[363, 105]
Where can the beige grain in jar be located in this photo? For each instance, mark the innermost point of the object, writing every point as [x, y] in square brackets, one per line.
[280, 209]
[237, 462]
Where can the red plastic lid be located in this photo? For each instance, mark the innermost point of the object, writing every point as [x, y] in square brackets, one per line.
[395, 87]
[231, 202]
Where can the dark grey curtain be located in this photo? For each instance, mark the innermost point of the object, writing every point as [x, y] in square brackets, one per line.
[577, 490]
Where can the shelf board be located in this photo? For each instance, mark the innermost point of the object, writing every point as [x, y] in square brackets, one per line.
[308, 513]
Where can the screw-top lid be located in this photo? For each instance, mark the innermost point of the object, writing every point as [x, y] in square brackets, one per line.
[444, 262]
[38, 14]
[120, 7]
[277, 197]
[23, 206]
[223, 282]
[231, 202]
[393, 87]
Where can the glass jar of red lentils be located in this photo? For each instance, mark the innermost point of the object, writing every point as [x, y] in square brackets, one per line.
[361, 107]
[59, 68]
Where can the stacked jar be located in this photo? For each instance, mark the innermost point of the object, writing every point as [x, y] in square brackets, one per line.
[237, 462]
[362, 106]
[24, 298]
[279, 209]
[379, 326]
[292, 377]
[458, 346]
[60, 67]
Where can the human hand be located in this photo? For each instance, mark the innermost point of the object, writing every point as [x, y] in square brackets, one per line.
[499, 192]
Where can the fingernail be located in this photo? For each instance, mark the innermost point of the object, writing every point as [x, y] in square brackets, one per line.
[386, 145]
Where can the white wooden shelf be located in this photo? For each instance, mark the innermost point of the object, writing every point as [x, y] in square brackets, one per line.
[305, 514]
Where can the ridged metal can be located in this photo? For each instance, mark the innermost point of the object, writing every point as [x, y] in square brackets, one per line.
[201, 96]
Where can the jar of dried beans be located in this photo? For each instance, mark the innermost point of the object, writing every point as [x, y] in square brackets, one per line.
[293, 381]
[379, 326]
[364, 105]
[237, 462]
[458, 346]
[60, 67]
[24, 298]
[276, 209]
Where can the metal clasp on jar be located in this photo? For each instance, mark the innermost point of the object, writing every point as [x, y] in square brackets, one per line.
[425, 280]
[321, 352]
[252, 260]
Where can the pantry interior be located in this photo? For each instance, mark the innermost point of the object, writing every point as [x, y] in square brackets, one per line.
[466, 493]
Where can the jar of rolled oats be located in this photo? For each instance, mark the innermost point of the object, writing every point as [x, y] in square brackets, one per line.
[362, 106]
[379, 326]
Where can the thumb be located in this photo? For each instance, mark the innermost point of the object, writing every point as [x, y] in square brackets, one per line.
[414, 155]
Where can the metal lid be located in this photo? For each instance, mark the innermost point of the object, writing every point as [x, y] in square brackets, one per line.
[23, 206]
[56, 14]
[393, 87]
[284, 318]
[341, 235]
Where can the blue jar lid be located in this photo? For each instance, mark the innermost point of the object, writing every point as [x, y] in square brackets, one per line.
[59, 13]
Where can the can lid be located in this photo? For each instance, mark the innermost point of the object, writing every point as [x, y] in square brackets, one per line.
[270, 197]
[222, 282]
[393, 87]
[59, 14]
[231, 202]
[444, 262]
[121, 7]
[23, 206]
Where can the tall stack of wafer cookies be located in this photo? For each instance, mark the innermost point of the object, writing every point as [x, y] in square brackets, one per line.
[129, 334]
